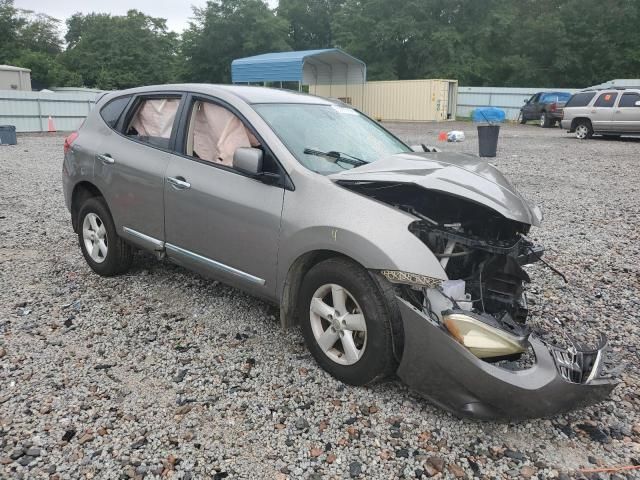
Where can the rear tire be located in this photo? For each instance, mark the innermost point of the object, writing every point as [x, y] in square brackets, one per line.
[105, 252]
[545, 121]
[330, 328]
[583, 130]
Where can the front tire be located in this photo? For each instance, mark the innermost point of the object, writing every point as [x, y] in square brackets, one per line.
[346, 322]
[105, 252]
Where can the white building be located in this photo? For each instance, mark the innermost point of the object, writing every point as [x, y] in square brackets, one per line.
[15, 78]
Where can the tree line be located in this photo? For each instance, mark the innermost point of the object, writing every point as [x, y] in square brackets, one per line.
[561, 43]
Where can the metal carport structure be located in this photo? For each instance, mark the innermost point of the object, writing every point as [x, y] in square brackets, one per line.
[335, 71]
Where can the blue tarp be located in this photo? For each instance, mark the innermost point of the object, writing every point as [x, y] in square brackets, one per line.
[488, 115]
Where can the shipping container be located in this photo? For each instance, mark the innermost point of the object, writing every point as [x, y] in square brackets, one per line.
[398, 100]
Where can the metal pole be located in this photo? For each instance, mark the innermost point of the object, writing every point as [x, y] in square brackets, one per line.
[39, 115]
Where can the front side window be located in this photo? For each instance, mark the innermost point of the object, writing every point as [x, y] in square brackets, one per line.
[215, 133]
[630, 100]
[153, 120]
[350, 138]
[580, 99]
[606, 99]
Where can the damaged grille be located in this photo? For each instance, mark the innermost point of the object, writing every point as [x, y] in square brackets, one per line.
[577, 366]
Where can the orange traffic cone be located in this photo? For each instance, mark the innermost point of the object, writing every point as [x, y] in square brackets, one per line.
[442, 136]
[52, 126]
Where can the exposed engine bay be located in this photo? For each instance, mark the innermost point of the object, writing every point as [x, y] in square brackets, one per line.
[481, 251]
[483, 308]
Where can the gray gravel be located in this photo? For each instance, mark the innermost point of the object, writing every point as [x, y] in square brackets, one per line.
[162, 372]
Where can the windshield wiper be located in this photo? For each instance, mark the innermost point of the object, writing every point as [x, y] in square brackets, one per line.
[336, 156]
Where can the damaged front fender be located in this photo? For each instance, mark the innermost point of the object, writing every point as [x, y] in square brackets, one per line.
[449, 375]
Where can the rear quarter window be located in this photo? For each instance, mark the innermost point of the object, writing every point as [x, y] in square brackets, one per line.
[629, 100]
[581, 99]
[112, 111]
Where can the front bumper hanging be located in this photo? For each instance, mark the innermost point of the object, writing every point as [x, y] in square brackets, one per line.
[446, 373]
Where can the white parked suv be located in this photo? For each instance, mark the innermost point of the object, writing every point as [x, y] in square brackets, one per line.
[611, 112]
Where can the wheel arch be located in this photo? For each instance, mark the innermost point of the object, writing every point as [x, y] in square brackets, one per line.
[81, 192]
[577, 120]
[292, 281]
[289, 313]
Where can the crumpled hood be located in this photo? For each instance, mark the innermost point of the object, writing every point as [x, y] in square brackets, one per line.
[458, 174]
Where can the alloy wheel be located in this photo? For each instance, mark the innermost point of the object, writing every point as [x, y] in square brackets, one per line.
[543, 120]
[582, 131]
[338, 324]
[94, 235]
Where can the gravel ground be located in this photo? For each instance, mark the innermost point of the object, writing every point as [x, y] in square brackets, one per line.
[161, 372]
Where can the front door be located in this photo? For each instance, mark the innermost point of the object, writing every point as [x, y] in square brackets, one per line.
[601, 113]
[529, 109]
[218, 220]
[626, 116]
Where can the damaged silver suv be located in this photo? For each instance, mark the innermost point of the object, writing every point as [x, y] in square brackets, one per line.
[392, 259]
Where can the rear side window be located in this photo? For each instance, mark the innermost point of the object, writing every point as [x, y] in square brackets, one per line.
[629, 100]
[581, 99]
[555, 97]
[152, 121]
[112, 111]
[606, 99]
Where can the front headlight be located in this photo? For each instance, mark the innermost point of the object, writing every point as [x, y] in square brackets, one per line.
[483, 340]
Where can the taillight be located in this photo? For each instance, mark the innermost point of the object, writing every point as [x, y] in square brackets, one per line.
[554, 107]
[69, 141]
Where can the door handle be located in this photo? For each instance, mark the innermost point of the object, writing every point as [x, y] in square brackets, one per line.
[106, 159]
[179, 183]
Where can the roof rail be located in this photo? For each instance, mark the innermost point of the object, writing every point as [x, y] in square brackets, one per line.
[599, 89]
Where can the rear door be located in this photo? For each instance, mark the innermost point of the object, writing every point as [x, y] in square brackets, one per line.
[131, 163]
[601, 113]
[626, 116]
[218, 220]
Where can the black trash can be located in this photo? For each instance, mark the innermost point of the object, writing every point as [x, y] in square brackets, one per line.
[8, 135]
[488, 140]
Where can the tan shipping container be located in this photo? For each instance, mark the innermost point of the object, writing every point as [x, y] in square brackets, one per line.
[400, 100]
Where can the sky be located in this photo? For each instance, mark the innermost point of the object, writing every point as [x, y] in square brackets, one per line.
[176, 12]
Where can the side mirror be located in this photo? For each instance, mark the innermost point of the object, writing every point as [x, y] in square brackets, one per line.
[248, 160]
[526, 100]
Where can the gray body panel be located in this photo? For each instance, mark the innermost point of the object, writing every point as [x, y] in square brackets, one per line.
[446, 373]
[461, 175]
[133, 185]
[225, 217]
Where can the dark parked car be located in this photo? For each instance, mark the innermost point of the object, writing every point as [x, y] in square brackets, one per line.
[545, 107]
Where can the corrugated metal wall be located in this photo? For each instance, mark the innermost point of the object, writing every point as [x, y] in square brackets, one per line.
[402, 100]
[508, 99]
[30, 111]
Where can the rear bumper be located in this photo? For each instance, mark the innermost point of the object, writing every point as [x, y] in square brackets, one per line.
[555, 115]
[446, 373]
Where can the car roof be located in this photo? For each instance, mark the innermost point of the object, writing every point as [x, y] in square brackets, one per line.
[247, 93]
